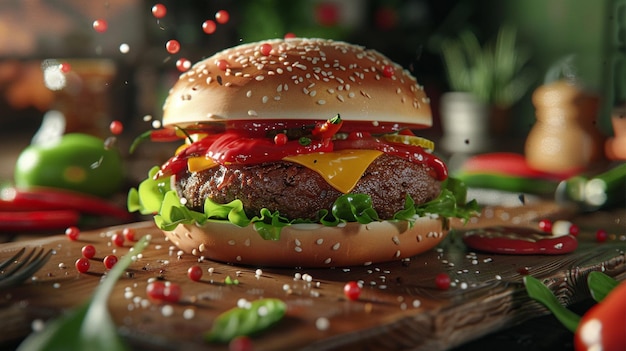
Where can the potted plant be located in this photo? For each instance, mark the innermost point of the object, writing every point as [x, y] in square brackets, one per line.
[485, 81]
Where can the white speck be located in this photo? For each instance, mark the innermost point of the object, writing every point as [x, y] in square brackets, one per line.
[243, 303]
[189, 313]
[259, 78]
[156, 124]
[417, 303]
[321, 102]
[211, 270]
[327, 261]
[56, 285]
[297, 249]
[258, 272]
[286, 287]
[262, 311]
[231, 242]
[498, 277]
[297, 276]
[167, 310]
[252, 113]
[319, 241]
[37, 325]
[62, 265]
[336, 246]
[322, 323]
[124, 48]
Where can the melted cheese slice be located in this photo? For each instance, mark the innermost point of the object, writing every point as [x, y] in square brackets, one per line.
[342, 169]
[197, 164]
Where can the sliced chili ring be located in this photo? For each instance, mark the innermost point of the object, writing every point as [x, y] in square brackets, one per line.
[518, 241]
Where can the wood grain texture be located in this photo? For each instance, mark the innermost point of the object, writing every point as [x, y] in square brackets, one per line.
[399, 307]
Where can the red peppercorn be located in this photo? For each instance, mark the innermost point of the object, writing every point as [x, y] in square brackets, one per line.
[209, 26]
[388, 71]
[194, 273]
[265, 49]
[442, 281]
[171, 292]
[240, 343]
[222, 64]
[129, 234]
[88, 251]
[82, 265]
[116, 127]
[72, 233]
[352, 290]
[545, 225]
[118, 239]
[109, 261]
[159, 10]
[155, 289]
[280, 139]
[222, 16]
[601, 235]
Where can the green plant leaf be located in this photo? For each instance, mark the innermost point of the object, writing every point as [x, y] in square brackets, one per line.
[240, 321]
[600, 285]
[542, 294]
[89, 327]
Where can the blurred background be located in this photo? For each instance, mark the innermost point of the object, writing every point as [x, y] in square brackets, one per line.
[124, 72]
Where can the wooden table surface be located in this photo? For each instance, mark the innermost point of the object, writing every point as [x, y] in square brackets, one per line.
[399, 308]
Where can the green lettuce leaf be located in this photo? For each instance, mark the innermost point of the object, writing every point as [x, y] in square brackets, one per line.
[156, 197]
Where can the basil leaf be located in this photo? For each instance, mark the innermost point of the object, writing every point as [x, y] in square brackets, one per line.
[600, 285]
[542, 294]
[238, 321]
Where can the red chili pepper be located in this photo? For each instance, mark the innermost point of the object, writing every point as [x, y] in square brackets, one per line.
[37, 220]
[51, 199]
[327, 129]
[602, 326]
[518, 241]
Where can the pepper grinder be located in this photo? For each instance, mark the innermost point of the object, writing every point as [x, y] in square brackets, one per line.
[565, 138]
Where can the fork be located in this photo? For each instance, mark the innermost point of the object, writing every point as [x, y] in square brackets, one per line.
[22, 265]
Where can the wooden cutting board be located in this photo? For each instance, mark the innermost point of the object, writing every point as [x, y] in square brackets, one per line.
[399, 308]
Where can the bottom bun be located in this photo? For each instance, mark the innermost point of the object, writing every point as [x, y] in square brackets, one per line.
[310, 245]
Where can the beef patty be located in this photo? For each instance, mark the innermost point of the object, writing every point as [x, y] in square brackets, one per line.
[299, 192]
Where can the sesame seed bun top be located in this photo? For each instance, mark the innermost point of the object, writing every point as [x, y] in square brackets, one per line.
[297, 79]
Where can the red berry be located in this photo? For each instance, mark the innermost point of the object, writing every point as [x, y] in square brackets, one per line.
[194, 273]
[82, 265]
[222, 16]
[209, 26]
[442, 281]
[109, 261]
[159, 11]
[240, 343]
[88, 251]
[265, 49]
[289, 35]
[65, 67]
[574, 230]
[601, 235]
[172, 46]
[100, 25]
[222, 64]
[72, 233]
[118, 239]
[116, 127]
[388, 71]
[352, 290]
[129, 234]
[545, 225]
[155, 289]
[171, 292]
[183, 64]
[280, 139]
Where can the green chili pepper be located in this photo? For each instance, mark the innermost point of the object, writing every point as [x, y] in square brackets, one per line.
[239, 321]
[304, 141]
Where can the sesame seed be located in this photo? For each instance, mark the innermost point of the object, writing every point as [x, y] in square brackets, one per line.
[249, 93]
[297, 249]
[327, 261]
[336, 246]
[252, 113]
[264, 99]
[321, 102]
[319, 241]
[259, 78]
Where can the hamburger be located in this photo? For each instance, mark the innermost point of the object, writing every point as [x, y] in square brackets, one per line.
[301, 153]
